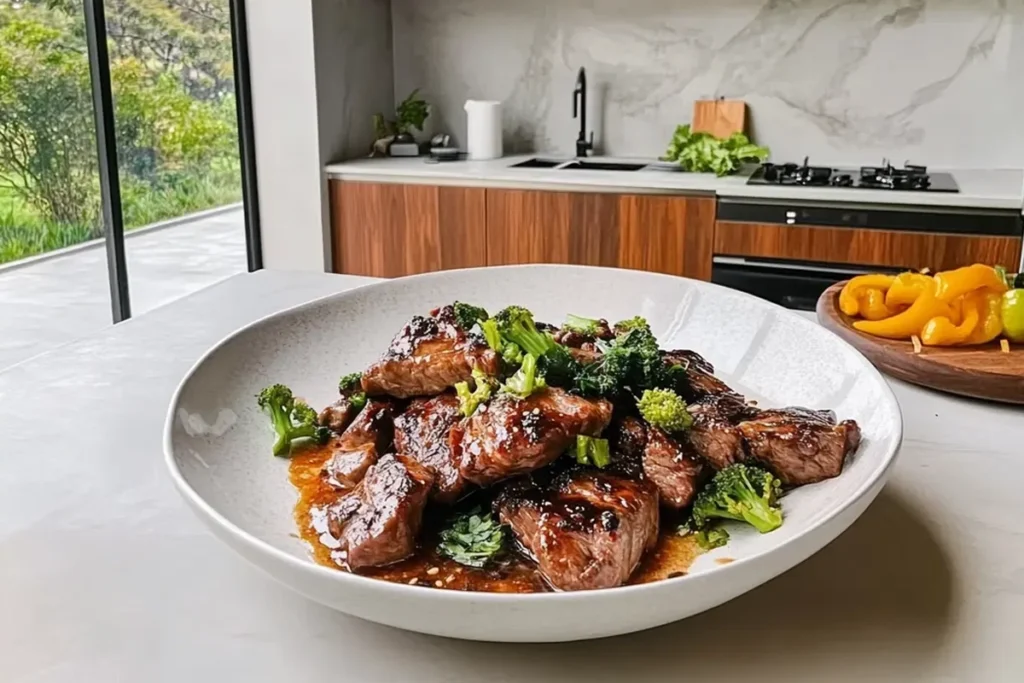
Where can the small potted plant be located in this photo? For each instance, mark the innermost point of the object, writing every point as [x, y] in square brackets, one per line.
[394, 137]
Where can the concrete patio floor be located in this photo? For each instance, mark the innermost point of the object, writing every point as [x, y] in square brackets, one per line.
[51, 302]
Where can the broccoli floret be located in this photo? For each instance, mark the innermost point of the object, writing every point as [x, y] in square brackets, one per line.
[709, 539]
[526, 380]
[469, 401]
[577, 323]
[665, 409]
[492, 334]
[590, 450]
[511, 354]
[293, 420]
[741, 492]
[351, 387]
[468, 315]
[633, 360]
[636, 323]
[516, 325]
[350, 381]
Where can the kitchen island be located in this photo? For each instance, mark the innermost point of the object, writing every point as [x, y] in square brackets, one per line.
[107, 576]
[394, 217]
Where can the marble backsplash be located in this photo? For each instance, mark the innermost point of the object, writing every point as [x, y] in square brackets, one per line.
[938, 82]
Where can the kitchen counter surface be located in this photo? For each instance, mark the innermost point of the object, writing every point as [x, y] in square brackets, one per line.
[981, 189]
[106, 576]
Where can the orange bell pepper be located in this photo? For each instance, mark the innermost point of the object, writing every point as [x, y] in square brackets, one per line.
[955, 283]
[941, 331]
[906, 288]
[849, 297]
[909, 322]
[872, 305]
[991, 324]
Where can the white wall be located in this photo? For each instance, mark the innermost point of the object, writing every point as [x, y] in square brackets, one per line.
[934, 81]
[288, 168]
[319, 70]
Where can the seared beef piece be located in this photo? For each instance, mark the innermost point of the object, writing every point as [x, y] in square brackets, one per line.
[673, 466]
[360, 445]
[428, 356]
[511, 436]
[377, 523]
[714, 434]
[576, 340]
[630, 437]
[588, 530]
[421, 434]
[586, 354]
[800, 446]
[699, 374]
[339, 415]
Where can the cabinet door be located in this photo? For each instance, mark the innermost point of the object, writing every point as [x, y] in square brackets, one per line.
[390, 230]
[891, 248]
[646, 232]
[667, 234]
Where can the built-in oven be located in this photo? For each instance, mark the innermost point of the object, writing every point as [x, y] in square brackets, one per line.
[793, 284]
[790, 252]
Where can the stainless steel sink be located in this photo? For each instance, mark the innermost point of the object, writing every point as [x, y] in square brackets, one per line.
[579, 165]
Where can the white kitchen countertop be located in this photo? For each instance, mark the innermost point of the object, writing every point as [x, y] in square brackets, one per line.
[983, 189]
[106, 576]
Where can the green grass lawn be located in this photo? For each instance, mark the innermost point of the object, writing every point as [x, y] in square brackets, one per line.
[24, 233]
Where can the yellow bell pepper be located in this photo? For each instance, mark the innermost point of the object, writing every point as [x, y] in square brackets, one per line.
[909, 322]
[941, 331]
[906, 288]
[991, 324]
[955, 283]
[872, 305]
[849, 297]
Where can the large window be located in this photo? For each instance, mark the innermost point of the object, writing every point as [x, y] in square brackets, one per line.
[171, 72]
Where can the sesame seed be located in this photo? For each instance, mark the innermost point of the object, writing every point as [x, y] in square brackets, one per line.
[438, 584]
[432, 571]
[458, 570]
[450, 579]
[413, 581]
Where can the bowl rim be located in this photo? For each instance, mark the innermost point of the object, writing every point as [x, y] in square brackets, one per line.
[359, 581]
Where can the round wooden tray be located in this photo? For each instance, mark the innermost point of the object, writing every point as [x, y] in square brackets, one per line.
[983, 372]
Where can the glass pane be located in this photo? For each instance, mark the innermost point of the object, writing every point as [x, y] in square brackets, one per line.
[171, 69]
[51, 291]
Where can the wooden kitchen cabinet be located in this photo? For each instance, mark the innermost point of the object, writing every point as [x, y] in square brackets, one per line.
[646, 232]
[864, 247]
[390, 230]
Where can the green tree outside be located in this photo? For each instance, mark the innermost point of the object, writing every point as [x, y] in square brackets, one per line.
[175, 117]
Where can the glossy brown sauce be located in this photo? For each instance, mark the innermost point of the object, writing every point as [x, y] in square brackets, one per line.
[672, 556]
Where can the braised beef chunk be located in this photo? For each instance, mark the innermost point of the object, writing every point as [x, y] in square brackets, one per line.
[421, 434]
[714, 434]
[700, 375]
[428, 356]
[575, 340]
[511, 436]
[360, 445]
[377, 523]
[339, 415]
[673, 466]
[588, 530]
[800, 446]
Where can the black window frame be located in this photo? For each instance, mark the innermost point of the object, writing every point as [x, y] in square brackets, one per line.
[106, 148]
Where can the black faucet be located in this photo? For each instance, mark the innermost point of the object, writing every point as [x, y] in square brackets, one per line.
[579, 110]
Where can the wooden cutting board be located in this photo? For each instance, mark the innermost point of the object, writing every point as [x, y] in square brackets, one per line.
[721, 118]
[983, 372]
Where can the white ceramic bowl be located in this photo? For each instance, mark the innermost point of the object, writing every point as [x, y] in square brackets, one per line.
[218, 443]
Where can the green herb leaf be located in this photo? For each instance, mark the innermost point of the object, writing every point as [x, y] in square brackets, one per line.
[472, 539]
[704, 153]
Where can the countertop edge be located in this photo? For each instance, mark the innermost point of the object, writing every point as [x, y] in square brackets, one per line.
[980, 189]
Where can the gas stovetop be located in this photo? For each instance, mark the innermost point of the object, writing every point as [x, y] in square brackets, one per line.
[910, 178]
